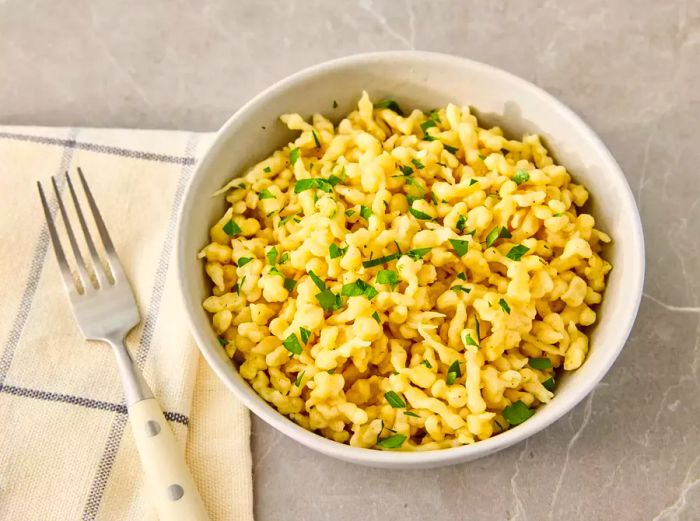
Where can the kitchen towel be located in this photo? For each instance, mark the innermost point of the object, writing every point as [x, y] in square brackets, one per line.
[66, 450]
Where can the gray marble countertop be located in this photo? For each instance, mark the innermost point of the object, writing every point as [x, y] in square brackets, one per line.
[631, 450]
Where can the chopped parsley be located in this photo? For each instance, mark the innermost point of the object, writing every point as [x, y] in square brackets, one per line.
[289, 284]
[271, 256]
[318, 143]
[375, 316]
[462, 276]
[388, 277]
[297, 382]
[380, 260]
[392, 442]
[222, 341]
[409, 413]
[482, 157]
[394, 400]
[521, 176]
[472, 182]
[418, 253]
[549, 384]
[417, 164]
[243, 261]
[478, 329]
[294, 155]
[461, 288]
[405, 170]
[428, 123]
[328, 300]
[460, 246]
[285, 220]
[389, 104]
[495, 234]
[540, 363]
[419, 215]
[284, 258]
[305, 334]
[359, 288]
[504, 306]
[470, 341]
[267, 169]
[239, 286]
[266, 194]
[231, 228]
[451, 150]
[453, 372]
[517, 413]
[461, 223]
[291, 344]
[427, 364]
[516, 252]
[314, 183]
[317, 280]
[336, 251]
[365, 212]
[350, 212]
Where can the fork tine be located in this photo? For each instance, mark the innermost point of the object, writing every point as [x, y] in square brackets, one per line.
[97, 264]
[82, 267]
[68, 280]
[109, 247]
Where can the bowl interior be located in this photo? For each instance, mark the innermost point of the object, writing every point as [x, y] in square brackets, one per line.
[421, 80]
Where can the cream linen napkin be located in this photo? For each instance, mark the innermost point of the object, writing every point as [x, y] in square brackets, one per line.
[66, 450]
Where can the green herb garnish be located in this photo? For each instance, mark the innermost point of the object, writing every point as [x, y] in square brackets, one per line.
[451, 150]
[389, 104]
[549, 384]
[289, 284]
[453, 372]
[271, 256]
[419, 215]
[516, 252]
[231, 228]
[428, 123]
[365, 212]
[540, 363]
[470, 341]
[394, 400]
[517, 413]
[317, 280]
[409, 413]
[405, 170]
[336, 251]
[380, 260]
[284, 258]
[266, 194]
[291, 344]
[313, 183]
[350, 212]
[375, 316]
[495, 234]
[460, 246]
[472, 182]
[285, 220]
[388, 277]
[521, 176]
[358, 288]
[482, 157]
[318, 143]
[243, 261]
[427, 364]
[267, 169]
[222, 341]
[305, 334]
[462, 276]
[461, 223]
[418, 253]
[504, 305]
[478, 328]
[297, 382]
[328, 300]
[461, 288]
[392, 442]
[294, 155]
[417, 164]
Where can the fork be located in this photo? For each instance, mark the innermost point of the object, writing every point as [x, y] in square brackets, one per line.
[105, 309]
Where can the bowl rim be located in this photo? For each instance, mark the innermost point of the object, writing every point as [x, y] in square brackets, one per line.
[406, 459]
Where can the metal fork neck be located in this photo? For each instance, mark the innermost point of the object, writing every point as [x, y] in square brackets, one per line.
[135, 387]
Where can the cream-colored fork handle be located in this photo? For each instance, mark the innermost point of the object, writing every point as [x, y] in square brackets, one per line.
[168, 478]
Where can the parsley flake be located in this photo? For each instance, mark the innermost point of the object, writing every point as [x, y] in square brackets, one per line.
[297, 382]
[291, 344]
[294, 155]
[243, 261]
[375, 316]
[365, 212]
[427, 364]
[461, 288]
[417, 164]
[266, 194]
[388, 277]
[289, 284]
[461, 223]
[495, 234]
[453, 372]
[504, 305]
[271, 256]
[516, 252]
[540, 363]
[419, 215]
[428, 123]
[460, 246]
[222, 341]
[318, 143]
[450, 149]
[380, 260]
[267, 169]
[305, 334]
[418, 253]
[394, 400]
[335, 251]
[409, 413]
[359, 288]
[391, 442]
[549, 384]
[521, 176]
[389, 104]
[231, 228]
[517, 413]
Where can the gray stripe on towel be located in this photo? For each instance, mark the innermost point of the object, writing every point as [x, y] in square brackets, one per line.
[104, 469]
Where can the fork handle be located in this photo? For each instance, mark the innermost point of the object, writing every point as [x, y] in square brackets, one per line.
[170, 482]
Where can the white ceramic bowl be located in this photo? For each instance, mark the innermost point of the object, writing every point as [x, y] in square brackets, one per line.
[423, 80]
